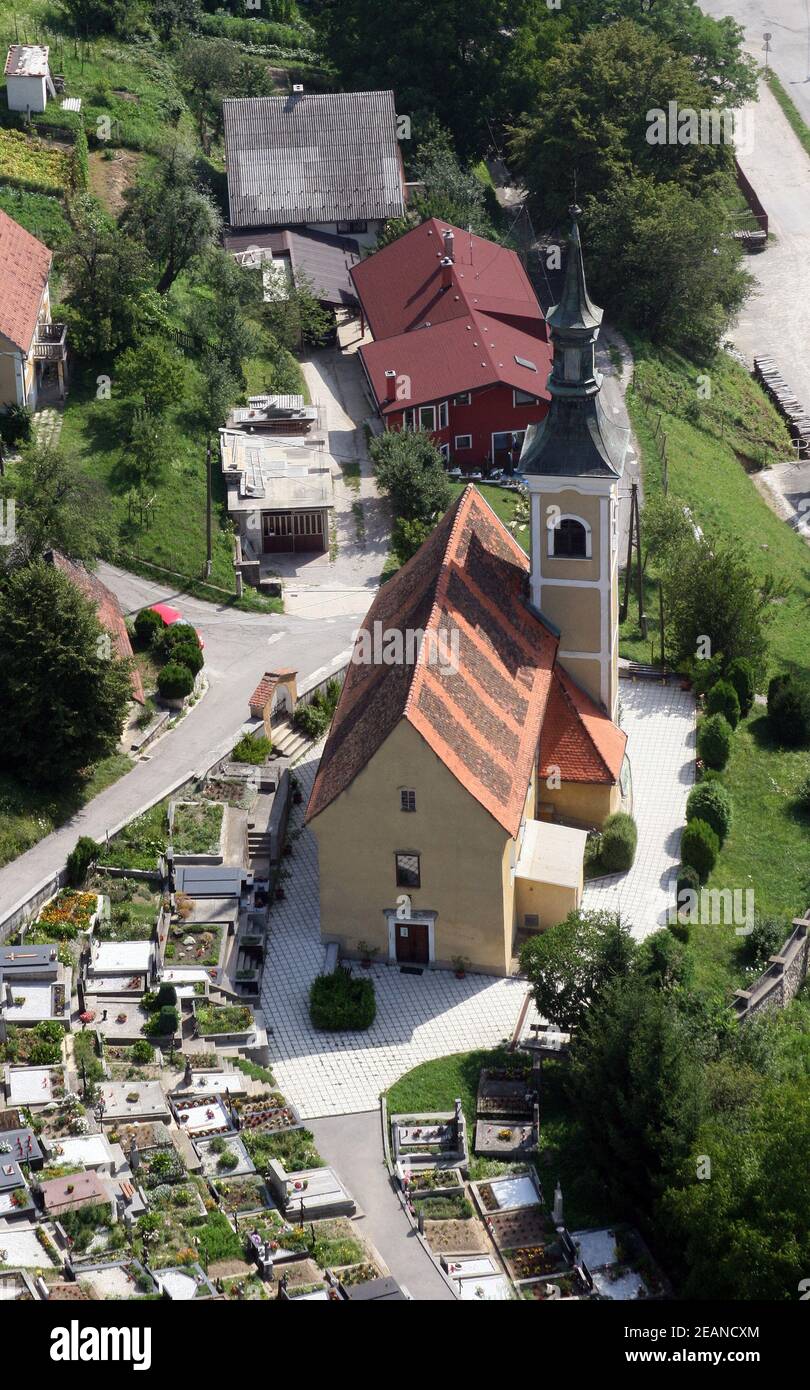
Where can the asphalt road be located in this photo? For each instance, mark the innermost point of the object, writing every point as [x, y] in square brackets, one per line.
[788, 23]
[239, 647]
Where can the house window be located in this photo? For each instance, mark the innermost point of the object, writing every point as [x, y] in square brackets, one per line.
[408, 871]
[463, 441]
[407, 799]
[569, 539]
[358, 225]
[343, 228]
[523, 398]
[463, 399]
[409, 420]
[531, 919]
[443, 416]
[427, 417]
[444, 450]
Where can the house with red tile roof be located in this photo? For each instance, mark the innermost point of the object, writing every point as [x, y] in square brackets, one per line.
[108, 612]
[460, 343]
[474, 742]
[30, 344]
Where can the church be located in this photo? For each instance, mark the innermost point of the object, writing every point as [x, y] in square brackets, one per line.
[453, 797]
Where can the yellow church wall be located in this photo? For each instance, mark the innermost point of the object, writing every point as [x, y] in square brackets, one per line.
[587, 509]
[577, 613]
[465, 858]
[581, 803]
[551, 903]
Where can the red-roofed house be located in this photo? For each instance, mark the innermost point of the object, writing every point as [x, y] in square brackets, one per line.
[29, 342]
[108, 612]
[460, 343]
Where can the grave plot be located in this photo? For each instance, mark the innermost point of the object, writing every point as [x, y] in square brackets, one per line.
[430, 1182]
[455, 1237]
[203, 1116]
[224, 1157]
[431, 1140]
[310, 1194]
[267, 1112]
[619, 1264]
[505, 1093]
[556, 1288]
[518, 1189]
[271, 1236]
[34, 1086]
[526, 1226]
[508, 1116]
[183, 1284]
[506, 1139]
[242, 1195]
[159, 1166]
[478, 1279]
[535, 1261]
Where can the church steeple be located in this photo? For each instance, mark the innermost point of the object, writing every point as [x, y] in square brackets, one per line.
[576, 438]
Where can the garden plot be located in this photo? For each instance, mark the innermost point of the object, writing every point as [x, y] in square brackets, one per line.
[194, 944]
[203, 1116]
[267, 1112]
[455, 1237]
[242, 1195]
[508, 1193]
[196, 827]
[224, 1157]
[536, 1260]
[527, 1226]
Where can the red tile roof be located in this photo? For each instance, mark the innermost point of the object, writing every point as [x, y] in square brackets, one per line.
[466, 584]
[578, 737]
[455, 339]
[108, 611]
[24, 268]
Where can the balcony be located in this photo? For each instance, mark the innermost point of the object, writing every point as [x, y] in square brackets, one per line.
[50, 342]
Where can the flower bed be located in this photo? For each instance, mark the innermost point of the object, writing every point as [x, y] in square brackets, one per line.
[242, 1194]
[67, 914]
[162, 1166]
[223, 1018]
[202, 950]
[197, 827]
[422, 1180]
[266, 1112]
[532, 1261]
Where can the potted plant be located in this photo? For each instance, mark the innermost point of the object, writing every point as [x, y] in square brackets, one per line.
[366, 953]
[460, 965]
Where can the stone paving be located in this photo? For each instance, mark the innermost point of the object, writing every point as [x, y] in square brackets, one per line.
[419, 1017]
[660, 725]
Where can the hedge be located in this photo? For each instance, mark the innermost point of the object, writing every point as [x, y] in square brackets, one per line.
[619, 840]
[723, 699]
[741, 675]
[175, 681]
[340, 1002]
[711, 801]
[789, 710]
[700, 847]
[714, 741]
[84, 854]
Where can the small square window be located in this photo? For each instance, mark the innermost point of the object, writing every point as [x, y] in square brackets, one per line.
[443, 416]
[407, 799]
[463, 399]
[408, 871]
[531, 919]
[463, 441]
[523, 398]
[343, 227]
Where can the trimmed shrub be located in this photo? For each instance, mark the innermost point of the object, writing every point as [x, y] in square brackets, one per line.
[142, 1051]
[148, 626]
[714, 741]
[340, 1002]
[789, 710]
[722, 699]
[711, 801]
[175, 681]
[767, 938]
[166, 996]
[687, 878]
[16, 425]
[189, 654]
[619, 840]
[86, 852]
[174, 636]
[740, 674]
[700, 847]
[163, 1023]
[252, 748]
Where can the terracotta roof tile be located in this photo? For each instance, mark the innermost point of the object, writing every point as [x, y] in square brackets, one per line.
[24, 268]
[578, 737]
[483, 718]
[108, 611]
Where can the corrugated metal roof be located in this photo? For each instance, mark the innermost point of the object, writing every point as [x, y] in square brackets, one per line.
[312, 158]
[26, 60]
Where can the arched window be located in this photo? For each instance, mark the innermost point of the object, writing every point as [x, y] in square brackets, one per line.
[570, 539]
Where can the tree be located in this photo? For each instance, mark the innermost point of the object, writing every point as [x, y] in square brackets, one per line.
[451, 193]
[171, 16]
[148, 449]
[635, 1079]
[58, 507]
[211, 69]
[294, 313]
[63, 695]
[570, 963]
[409, 467]
[713, 593]
[121, 17]
[153, 373]
[222, 313]
[107, 273]
[172, 215]
[218, 390]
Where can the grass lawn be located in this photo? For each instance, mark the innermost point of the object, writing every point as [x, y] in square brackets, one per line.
[140, 843]
[197, 827]
[795, 119]
[435, 1086]
[26, 815]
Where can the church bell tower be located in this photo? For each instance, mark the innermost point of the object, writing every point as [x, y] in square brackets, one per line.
[571, 464]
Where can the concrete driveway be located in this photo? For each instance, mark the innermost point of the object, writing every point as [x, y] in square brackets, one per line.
[239, 647]
[788, 23]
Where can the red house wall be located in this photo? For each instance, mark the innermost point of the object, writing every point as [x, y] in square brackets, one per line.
[490, 411]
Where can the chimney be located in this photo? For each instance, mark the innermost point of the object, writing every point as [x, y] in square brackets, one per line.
[390, 386]
[447, 272]
[298, 87]
[448, 245]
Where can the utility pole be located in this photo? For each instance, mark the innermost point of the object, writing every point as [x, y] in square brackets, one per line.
[634, 543]
[208, 507]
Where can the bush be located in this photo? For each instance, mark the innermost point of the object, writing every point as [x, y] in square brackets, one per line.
[314, 719]
[803, 795]
[16, 424]
[789, 710]
[722, 699]
[252, 748]
[740, 674]
[714, 741]
[179, 634]
[84, 854]
[687, 878]
[166, 997]
[175, 681]
[711, 802]
[148, 626]
[189, 654]
[767, 938]
[700, 847]
[339, 1001]
[163, 1023]
[619, 840]
[142, 1051]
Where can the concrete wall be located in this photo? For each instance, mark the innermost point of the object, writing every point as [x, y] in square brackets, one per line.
[466, 858]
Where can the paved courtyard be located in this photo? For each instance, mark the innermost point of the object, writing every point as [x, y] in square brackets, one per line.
[418, 1016]
[660, 725]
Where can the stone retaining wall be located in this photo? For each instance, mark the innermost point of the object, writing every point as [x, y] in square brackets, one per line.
[782, 980]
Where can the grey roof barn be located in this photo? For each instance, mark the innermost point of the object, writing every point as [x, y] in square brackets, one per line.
[308, 158]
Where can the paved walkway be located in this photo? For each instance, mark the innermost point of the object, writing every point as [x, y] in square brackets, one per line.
[352, 1144]
[660, 724]
[419, 1017]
